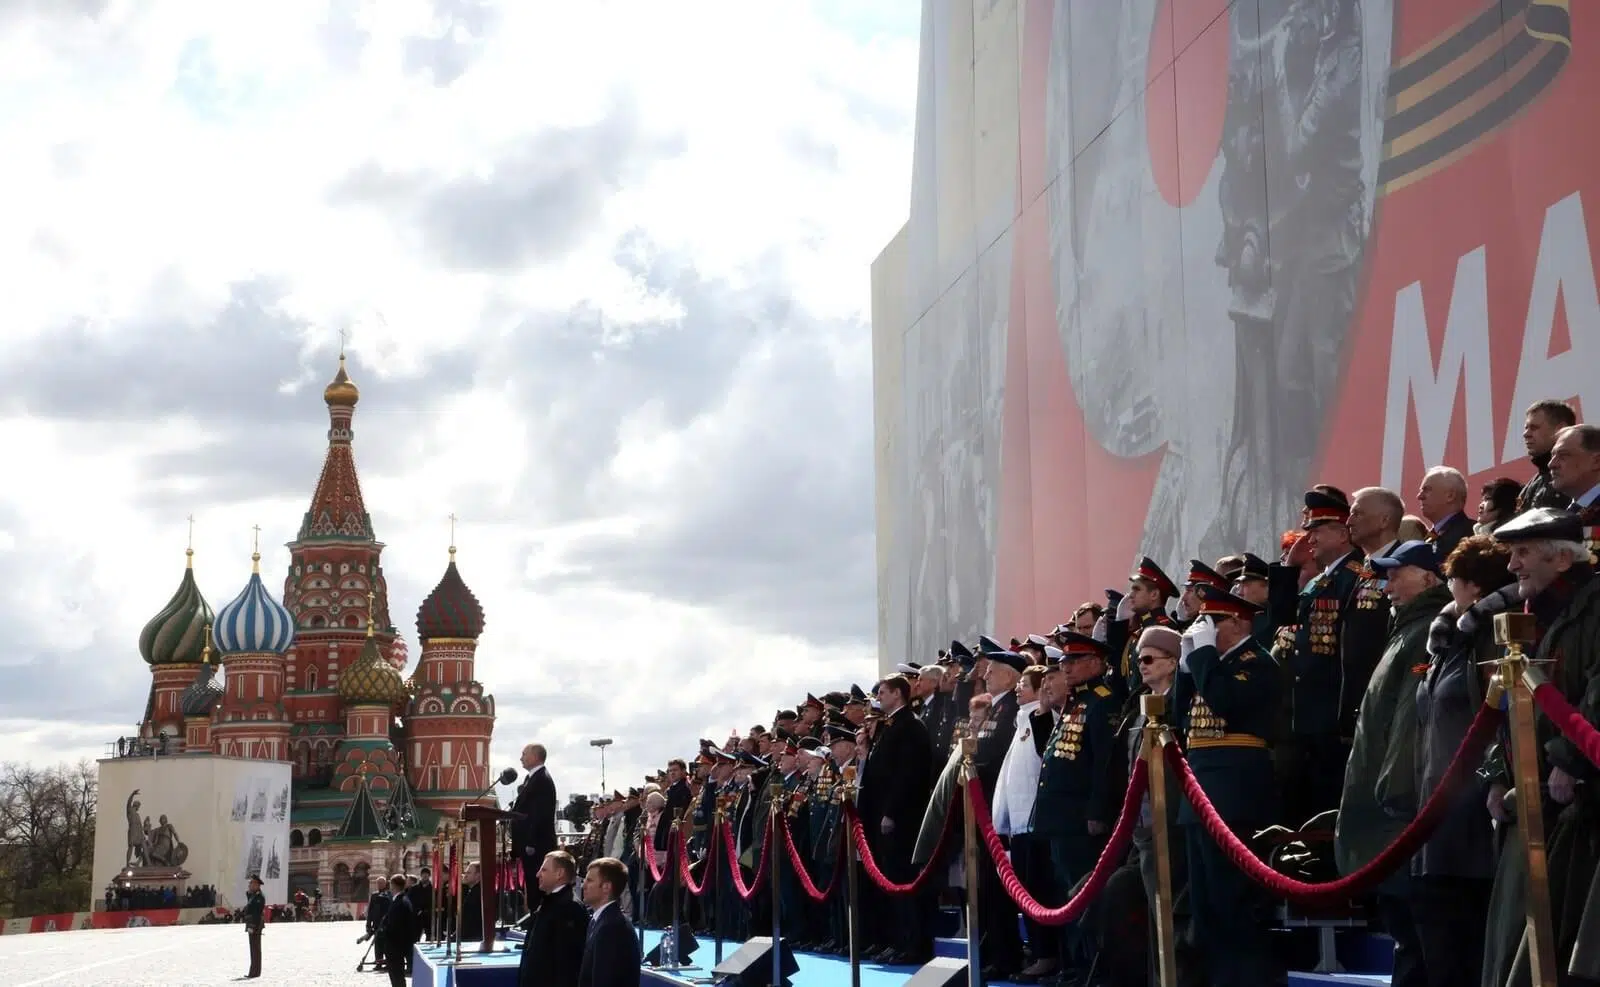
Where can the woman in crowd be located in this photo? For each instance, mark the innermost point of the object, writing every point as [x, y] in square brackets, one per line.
[1455, 868]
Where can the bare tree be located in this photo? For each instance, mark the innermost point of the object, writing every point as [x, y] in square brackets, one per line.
[46, 837]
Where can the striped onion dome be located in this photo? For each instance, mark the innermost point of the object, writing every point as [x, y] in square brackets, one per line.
[254, 623]
[450, 610]
[177, 635]
[371, 680]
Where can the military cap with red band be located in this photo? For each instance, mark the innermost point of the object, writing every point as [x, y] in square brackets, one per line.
[1323, 508]
[1200, 573]
[1216, 602]
[1147, 571]
[1075, 645]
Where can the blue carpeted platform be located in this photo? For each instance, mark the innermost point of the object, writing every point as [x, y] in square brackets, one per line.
[499, 969]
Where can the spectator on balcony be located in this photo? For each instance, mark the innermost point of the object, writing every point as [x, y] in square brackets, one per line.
[1540, 425]
[1442, 500]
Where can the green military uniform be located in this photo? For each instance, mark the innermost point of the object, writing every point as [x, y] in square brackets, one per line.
[1225, 705]
[1080, 780]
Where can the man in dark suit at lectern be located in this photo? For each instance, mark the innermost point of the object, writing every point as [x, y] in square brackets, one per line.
[610, 951]
[533, 831]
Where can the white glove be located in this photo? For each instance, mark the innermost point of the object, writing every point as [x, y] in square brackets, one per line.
[1185, 645]
[1181, 611]
[1124, 609]
[1201, 634]
[1100, 629]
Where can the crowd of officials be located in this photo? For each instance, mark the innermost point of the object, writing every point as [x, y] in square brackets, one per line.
[1320, 686]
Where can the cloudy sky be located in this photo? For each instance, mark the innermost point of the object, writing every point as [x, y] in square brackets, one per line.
[604, 268]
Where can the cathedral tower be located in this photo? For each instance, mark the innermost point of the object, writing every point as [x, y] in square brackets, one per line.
[450, 718]
[334, 564]
[371, 691]
[172, 644]
[253, 633]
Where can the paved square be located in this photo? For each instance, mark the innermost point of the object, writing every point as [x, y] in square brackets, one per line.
[309, 954]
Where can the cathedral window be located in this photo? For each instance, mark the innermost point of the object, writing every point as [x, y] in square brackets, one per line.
[311, 679]
[296, 839]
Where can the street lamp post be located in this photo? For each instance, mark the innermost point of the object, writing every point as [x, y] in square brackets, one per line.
[602, 743]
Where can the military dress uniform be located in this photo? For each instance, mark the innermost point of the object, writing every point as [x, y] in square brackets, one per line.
[1123, 636]
[255, 919]
[1225, 704]
[1079, 781]
[1321, 707]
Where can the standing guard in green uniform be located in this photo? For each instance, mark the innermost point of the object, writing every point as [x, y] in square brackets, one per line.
[1225, 697]
[255, 919]
[1080, 782]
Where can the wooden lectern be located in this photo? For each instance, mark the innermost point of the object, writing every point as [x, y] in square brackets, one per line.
[488, 819]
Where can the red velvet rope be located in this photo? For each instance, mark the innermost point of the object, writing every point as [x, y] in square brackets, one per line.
[868, 864]
[682, 849]
[1569, 721]
[1378, 868]
[743, 890]
[657, 872]
[1110, 858]
[799, 865]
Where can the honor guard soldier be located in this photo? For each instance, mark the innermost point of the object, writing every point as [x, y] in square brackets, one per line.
[255, 919]
[841, 738]
[1319, 746]
[1145, 605]
[1224, 698]
[1080, 787]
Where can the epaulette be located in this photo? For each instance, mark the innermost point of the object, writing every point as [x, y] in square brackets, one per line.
[1102, 692]
[1354, 566]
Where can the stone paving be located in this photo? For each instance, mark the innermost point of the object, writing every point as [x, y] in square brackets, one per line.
[310, 954]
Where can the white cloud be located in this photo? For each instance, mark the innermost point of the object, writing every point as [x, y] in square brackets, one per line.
[680, 202]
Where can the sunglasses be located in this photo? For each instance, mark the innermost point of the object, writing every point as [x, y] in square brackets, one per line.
[1151, 660]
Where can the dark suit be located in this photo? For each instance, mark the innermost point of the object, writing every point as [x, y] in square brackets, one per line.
[534, 834]
[553, 952]
[1445, 539]
[399, 936]
[610, 951]
[896, 784]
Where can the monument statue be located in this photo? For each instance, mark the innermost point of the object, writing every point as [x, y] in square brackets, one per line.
[152, 846]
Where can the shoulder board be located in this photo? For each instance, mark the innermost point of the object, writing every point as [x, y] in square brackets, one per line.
[1102, 692]
[1353, 566]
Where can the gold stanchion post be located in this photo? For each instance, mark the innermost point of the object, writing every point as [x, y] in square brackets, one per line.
[1516, 680]
[1156, 738]
[777, 807]
[969, 747]
[852, 903]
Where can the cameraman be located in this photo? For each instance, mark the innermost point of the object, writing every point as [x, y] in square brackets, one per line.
[377, 909]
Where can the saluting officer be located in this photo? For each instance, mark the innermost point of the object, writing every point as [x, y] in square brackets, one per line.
[1145, 605]
[1079, 784]
[1319, 748]
[1225, 696]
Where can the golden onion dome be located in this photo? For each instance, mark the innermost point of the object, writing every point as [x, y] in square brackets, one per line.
[371, 681]
[342, 391]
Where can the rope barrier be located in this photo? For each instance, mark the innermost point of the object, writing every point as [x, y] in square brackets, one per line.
[870, 865]
[657, 871]
[1380, 867]
[797, 863]
[1569, 721]
[743, 890]
[1110, 858]
[682, 850]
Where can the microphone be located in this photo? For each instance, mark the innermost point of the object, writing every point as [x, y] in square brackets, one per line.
[507, 777]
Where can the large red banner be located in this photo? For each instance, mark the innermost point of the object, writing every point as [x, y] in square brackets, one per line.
[1316, 241]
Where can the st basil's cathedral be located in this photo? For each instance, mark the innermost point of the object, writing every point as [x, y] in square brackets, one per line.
[378, 760]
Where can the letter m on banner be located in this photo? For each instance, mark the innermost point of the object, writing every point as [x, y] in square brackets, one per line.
[1415, 381]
